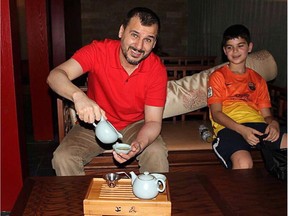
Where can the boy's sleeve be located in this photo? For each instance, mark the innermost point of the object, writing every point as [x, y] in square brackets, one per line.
[264, 97]
[216, 88]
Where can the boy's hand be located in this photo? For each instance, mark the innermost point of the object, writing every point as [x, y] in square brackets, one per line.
[249, 134]
[273, 131]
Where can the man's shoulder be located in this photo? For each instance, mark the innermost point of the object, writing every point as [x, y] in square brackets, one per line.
[152, 61]
[154, 57]
[105, 43]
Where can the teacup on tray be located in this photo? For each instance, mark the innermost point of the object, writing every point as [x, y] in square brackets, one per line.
[122, 148]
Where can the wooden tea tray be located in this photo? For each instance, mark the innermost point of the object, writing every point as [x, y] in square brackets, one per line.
[120, 200]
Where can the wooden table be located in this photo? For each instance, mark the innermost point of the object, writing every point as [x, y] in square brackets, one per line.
[211, 191]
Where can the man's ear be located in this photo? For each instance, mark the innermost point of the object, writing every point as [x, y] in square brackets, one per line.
[154, 43]
[121, 30]
[250, 47]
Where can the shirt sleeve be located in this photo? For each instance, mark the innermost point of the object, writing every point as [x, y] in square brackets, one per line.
[157, 92]
[264, 97]
[216, 88]
[85, 56]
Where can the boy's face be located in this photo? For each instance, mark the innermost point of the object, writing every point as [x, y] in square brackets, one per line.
[137, 41]
[237, 50]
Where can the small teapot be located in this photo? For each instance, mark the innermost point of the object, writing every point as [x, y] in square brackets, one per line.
[146, 186]
[105, 131]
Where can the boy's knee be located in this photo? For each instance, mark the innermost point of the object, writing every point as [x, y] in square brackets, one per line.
[242, 160]
[242, 163]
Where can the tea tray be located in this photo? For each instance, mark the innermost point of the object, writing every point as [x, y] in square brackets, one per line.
[120, 200]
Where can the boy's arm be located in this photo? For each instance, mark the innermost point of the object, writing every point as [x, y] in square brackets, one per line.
[273, 129]
[221, 118]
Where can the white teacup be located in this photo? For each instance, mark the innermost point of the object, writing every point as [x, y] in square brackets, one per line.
[122, 148]
[105, 131]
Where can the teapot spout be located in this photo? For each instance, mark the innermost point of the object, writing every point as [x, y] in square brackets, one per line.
[120, 136]
[133, 177]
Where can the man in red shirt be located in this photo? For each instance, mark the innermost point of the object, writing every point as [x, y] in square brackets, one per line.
[239, 105]
[126, 85]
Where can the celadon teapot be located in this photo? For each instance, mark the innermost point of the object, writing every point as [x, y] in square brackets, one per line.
[146, 186]
[105, 131]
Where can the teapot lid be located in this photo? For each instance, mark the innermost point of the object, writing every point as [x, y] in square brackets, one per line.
[146, 176]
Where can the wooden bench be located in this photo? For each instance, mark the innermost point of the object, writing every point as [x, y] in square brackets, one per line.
[189, 60]
[187, 151]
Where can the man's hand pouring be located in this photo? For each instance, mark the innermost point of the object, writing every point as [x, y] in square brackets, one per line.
[87, 109]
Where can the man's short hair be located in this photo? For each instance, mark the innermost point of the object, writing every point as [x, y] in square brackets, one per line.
[147, 17]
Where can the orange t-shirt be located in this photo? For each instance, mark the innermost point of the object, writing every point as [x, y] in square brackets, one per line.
[242, 95]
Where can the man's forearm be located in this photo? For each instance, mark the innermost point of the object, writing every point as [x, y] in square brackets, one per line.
[60, 83]
[148, 133]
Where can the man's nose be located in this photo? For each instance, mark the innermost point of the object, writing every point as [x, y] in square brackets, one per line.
[139, 44]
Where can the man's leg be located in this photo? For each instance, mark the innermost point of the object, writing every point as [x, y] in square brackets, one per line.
[77, 148]
[154, 157]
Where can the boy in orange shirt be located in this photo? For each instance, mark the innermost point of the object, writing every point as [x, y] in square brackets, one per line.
[239, 105]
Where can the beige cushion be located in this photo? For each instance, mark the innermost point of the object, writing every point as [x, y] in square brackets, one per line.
[190, 93]
[263, 63]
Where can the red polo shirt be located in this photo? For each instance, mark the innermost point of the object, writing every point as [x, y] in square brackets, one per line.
[121, 96]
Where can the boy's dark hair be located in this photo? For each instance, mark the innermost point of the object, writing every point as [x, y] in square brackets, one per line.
[147, 17]
[236, 31]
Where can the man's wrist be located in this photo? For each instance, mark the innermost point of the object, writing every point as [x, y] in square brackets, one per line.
[140, 147]
[76, 95]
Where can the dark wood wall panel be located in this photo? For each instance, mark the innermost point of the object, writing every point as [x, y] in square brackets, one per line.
[11, 173]
[38, 57]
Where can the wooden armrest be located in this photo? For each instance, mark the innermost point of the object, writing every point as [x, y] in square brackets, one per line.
[60, 117]
[278, 97]
[66, 117]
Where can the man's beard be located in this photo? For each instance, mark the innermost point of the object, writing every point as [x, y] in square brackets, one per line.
[130, 61]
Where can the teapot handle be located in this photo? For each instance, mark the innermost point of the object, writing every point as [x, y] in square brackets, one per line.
[101, 119]
[163, 185]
